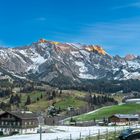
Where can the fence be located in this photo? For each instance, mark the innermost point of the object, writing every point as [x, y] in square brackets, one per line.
[90, 133]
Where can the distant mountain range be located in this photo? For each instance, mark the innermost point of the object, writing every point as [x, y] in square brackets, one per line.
[69, 63]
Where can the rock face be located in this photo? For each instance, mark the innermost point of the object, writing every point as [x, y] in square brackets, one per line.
[130, 57]
[56, 62]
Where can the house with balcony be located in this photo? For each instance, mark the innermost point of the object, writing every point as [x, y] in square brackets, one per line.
[21, 122]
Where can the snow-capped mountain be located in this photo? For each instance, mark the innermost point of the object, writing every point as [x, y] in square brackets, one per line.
[56, 62]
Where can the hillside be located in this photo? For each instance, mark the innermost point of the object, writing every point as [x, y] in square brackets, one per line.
[40, 101]
[108, 111]
[62, 100]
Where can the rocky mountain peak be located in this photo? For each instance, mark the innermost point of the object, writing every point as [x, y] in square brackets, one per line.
[42, 40]
[47, 41]
[130, 57]
[96, 48]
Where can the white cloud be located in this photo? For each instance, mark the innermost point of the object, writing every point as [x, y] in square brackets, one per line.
[131, 5]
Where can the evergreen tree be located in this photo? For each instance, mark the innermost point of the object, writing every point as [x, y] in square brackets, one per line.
[28, 100]
[17, 98]
[37, 99]
[11, 99]
[41, 96]
[53, 94]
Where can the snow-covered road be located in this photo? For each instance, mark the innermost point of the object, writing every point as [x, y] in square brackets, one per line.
[67, 132]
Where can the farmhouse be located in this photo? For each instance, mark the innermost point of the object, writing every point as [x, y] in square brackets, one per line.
[124, 119]
[132, 101]
[18, 122]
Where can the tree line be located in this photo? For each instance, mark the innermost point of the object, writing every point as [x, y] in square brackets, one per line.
[100, 100]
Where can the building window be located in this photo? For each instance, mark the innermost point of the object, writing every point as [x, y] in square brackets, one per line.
[11, 123]
[30, 123]
[18, 123]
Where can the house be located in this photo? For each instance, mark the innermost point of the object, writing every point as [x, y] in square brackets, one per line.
[124, 119]
[18, 122]
[133, 101]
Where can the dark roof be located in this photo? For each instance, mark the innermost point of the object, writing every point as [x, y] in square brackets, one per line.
[126, 116]
[23, 114]
[1, 112]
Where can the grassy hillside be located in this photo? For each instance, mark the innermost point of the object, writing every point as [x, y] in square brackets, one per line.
[35, 105]
[70, 101]
[33, 95]
[105, 112]
[68, 98]
[40, 101]
[38, 106]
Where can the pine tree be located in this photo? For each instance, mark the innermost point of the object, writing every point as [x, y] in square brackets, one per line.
[17, 98]
[37, 98]
[60, 93]
[28, 100]
[41, 96]
[11, 99]
[53, 94]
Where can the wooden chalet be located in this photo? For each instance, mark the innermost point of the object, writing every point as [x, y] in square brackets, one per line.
[124, 119]
[18, 122]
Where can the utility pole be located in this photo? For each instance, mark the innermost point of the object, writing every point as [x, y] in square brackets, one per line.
[41, 121]
[40, 132]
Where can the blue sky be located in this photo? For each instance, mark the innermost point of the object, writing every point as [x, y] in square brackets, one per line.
[113, 24]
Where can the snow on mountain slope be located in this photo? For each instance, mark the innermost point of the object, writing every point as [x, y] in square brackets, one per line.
[133, 64]
[54, 61]
[83, 71]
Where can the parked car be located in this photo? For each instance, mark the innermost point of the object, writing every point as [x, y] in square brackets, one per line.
[111, 124]
[101, 123]
[130, 134]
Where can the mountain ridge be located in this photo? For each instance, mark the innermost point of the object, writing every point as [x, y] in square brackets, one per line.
[55, 62]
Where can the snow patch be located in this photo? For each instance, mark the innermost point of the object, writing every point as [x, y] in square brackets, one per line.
[83, 71]
[133, 64]
[130, 75]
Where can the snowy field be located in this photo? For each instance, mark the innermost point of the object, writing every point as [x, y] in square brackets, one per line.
[67, 132]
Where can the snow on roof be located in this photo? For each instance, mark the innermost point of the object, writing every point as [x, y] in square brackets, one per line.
[127, 116]
[22, 115]
[133, 100]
